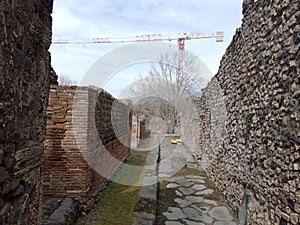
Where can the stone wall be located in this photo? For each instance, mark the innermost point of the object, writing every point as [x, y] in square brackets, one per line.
[88, 137]
[189, 118]
[249, 117]
[135, 132]
[25, 33]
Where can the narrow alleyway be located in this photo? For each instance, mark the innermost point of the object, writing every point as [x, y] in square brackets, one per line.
[172, 190]
[187, 196]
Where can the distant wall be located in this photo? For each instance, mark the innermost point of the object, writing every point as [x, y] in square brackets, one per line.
[135, 132]
[84, 127]
[25, 33]
[249, 117]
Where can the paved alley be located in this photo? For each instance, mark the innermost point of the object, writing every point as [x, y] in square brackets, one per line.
[184, 194]
[193, 202]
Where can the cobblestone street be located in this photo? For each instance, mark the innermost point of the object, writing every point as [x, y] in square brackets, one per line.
[194, 202]
[182, 198]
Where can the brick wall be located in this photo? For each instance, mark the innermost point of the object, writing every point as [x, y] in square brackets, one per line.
[88, 136]
[25, 33]
[249, 119]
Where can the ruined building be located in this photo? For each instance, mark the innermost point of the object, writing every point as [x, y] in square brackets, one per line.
[248, 116]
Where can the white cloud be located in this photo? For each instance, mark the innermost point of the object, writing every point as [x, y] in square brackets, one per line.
[80, 19]
[65, 23]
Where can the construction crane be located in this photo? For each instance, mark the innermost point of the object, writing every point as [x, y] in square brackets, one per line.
[180, 37]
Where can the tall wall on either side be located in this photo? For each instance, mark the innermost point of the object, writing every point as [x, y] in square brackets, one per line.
[250, 124]
[25, 33]
[88, 137]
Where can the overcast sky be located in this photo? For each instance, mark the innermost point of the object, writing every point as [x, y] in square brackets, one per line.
[81, 19]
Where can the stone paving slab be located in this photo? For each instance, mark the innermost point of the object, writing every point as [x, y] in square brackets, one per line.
[210, 202]
[203, 209]
[199, 187]
[173, 223]
[172, 185]
[178, 193]
[186, 191]
[148, 192]
[188, 222]
[174, 179]
[220, 213]
[149, 180]
[181, 202]
[205, 192]
[174, 214]
[192, 205]
[194, 177]
[225, 223]
[63, 213]
[209, 212]
[145, 210]
[186, 183]
[197, 180]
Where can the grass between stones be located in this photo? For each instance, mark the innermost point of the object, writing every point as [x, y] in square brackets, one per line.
[117, 202]
[166, 196]
[216, 195]
[165, 200]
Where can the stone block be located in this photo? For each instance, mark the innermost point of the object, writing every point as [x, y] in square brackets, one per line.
[3, 175]
[178, 162]
[64, 214]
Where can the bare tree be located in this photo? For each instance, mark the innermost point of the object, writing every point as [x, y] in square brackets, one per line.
[154, 107]
[172, 79]
[66, 81]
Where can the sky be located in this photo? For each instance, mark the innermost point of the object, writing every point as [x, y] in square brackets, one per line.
[81, 19]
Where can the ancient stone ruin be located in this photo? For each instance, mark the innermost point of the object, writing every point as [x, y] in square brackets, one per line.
[248, 119]
[248, 116]
[81, 131]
